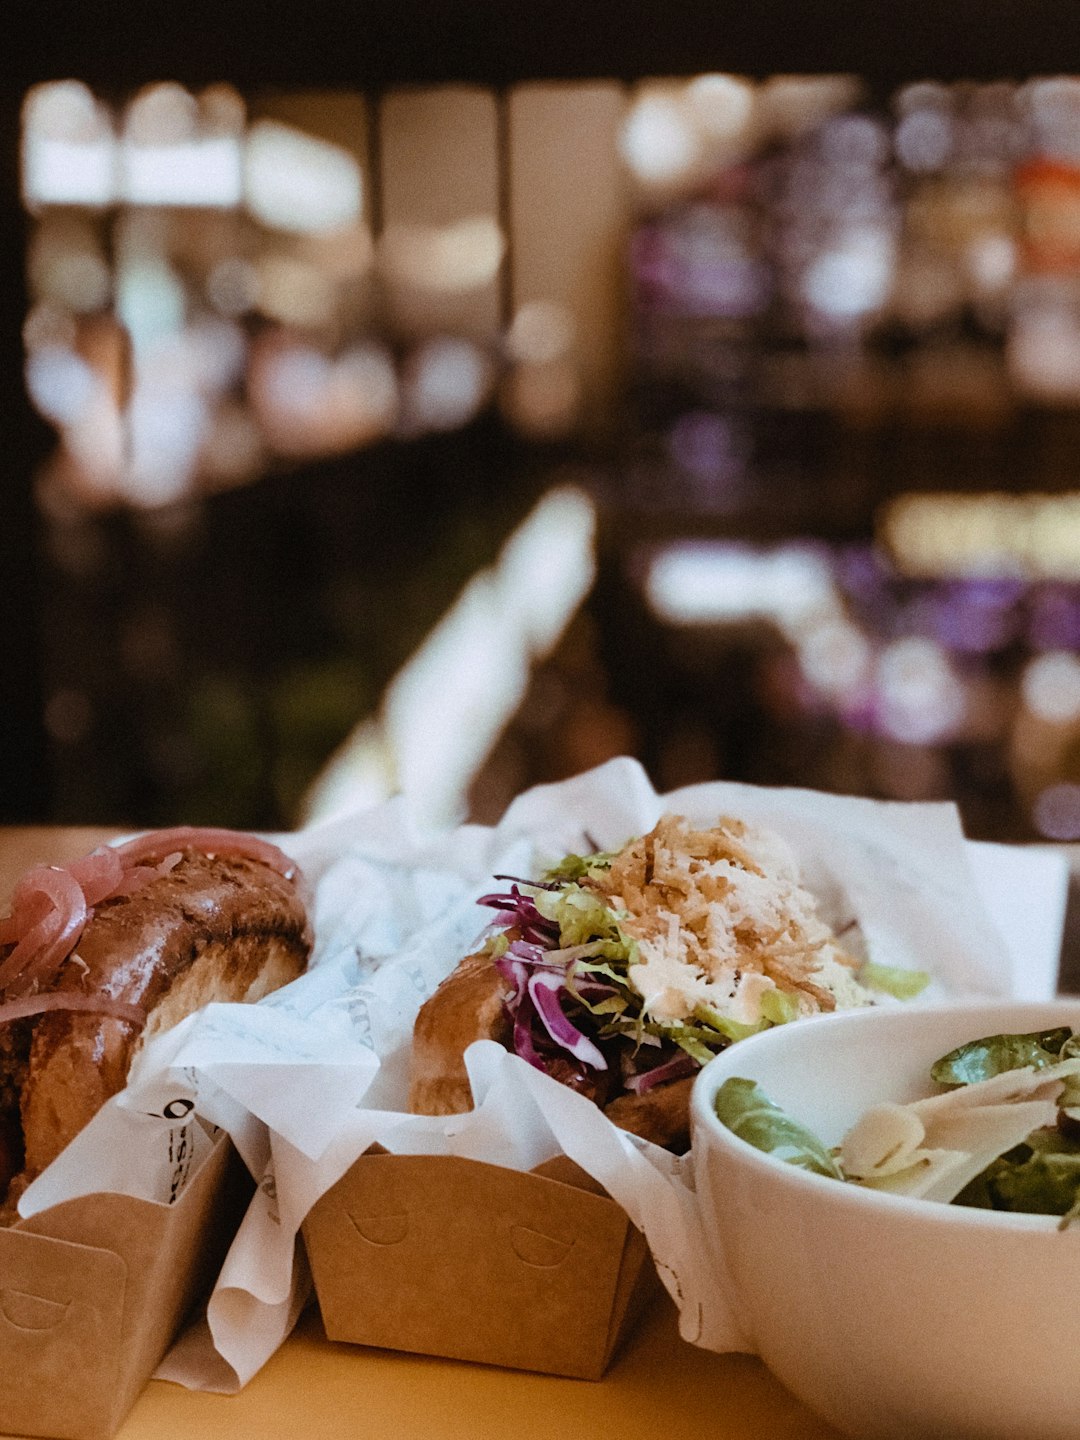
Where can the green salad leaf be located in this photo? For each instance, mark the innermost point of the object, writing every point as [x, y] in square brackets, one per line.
[994, 1054]
[1040, 1177]
[748, 1112]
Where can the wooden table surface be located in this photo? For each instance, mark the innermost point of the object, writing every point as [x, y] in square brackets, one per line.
[659, 1388]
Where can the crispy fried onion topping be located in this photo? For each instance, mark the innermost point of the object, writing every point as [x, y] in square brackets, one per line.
[721, 917]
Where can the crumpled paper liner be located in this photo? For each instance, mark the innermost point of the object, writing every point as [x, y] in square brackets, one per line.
[310, 1078]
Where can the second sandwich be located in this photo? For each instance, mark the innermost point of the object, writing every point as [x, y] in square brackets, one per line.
[620, 974]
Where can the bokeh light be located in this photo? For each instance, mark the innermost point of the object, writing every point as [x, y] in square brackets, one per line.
[300, 183]
[659, 141]
[69, 153]
[1057, 812]
[920, 699]
[445, 383]
[1051, 687]
[443, 259]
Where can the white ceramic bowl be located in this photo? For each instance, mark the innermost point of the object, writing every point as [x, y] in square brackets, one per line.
[888, 1316]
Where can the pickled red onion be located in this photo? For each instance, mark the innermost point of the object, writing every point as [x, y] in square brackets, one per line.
[133, 880]
[71, 1000]
[45, 946]
[22, 917]
[234, 844]
[98, 874]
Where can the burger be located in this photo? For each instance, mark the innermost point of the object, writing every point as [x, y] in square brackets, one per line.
[99, 956]
[620, 974]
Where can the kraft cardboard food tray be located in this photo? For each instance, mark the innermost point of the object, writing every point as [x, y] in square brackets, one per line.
[444, 1256]
[93, 1291]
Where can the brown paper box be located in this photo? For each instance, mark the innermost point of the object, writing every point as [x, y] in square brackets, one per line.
[92, 1293]
[444, 1256]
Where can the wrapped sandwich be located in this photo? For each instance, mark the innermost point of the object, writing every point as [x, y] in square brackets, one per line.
[620, 974]
[99, 956]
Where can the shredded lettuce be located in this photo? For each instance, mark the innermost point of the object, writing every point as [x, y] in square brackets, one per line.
[725, 1026]
[576, 867]
[893, 980]
[778, 1007]
[583, 917]
[585, 935]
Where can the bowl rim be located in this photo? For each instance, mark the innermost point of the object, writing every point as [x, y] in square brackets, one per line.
[819, 1188]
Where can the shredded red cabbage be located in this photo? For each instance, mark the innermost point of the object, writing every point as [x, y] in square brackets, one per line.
[519, 911]
[554, 1028]
[530, 952]
[677, 1068]
[545, 990]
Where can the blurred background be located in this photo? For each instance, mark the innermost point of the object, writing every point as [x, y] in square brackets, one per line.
[447, 399]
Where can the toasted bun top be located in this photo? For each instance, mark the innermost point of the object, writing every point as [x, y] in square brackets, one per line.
[210, 929]
[135, 946]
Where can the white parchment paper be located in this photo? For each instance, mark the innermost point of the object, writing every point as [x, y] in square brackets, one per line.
[308, 1079]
